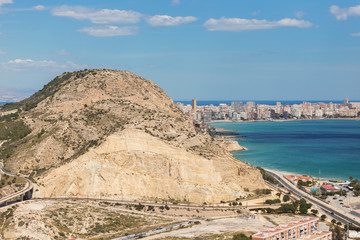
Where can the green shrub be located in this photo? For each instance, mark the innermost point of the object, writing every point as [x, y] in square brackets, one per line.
[240, 236]
[272, 201]
[13, 130]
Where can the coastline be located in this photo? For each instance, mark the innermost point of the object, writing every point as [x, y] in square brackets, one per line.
[256, 159]
[284, 120]
[352, 201]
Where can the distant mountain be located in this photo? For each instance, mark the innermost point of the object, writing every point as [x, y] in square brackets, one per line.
[116, 134]
[13, 95]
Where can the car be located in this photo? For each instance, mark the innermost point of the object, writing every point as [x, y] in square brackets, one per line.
[341, 203]
[341, 200]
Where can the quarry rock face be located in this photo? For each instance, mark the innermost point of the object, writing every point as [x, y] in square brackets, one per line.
[106, 133]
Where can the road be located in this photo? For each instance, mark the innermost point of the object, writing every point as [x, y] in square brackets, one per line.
[193, 206]
[28, 187]
[335, 212]
[157, 231]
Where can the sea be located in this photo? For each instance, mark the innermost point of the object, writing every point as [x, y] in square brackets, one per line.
[321, 148]
[267, 102]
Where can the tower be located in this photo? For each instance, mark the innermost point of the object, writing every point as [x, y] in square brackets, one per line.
[194, 108]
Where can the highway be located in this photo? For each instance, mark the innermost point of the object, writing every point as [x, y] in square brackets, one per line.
[335, 212]
[20, 194]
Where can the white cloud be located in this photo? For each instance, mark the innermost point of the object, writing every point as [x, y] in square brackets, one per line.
[239, 24]
[103, 16]
[175, 2]
[110, 31]
[355, 34]
[23, 61]
[165, 20]
[39, 7]
[28, 64]
[344, 13]
[300, 14]
[2, 2]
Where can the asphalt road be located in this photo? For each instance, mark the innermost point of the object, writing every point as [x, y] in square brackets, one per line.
[340, 215]
[28, 187]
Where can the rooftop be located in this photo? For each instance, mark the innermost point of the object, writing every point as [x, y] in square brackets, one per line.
[270, 231]
[328, 187]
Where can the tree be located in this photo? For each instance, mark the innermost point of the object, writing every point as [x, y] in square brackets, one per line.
[337, 232]
[323, 217]
[351, 178]
[314, 211]
[272, 201]
[304, 206]
[286, 198]
[333, 221]
[278, 194]
[286, 208]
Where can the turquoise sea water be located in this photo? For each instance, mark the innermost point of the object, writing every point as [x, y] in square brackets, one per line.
[331, 147]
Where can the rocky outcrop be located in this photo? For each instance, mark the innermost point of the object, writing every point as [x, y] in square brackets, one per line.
[115, 134]
[132, 164]
[230, 145]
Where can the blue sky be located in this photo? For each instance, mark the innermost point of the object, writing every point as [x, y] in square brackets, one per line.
[204, 49]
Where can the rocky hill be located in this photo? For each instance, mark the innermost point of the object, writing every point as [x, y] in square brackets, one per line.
[115, 134]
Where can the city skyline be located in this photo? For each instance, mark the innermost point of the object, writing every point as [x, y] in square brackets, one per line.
[212, 50]
[244, 111]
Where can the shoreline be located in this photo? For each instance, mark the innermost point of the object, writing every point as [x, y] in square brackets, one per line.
[238, 137]
[353, 201]
[285, 120]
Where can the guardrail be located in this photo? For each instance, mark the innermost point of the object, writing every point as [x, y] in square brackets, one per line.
[26, 192]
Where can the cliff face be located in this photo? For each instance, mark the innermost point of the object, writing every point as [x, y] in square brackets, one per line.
[115, 134]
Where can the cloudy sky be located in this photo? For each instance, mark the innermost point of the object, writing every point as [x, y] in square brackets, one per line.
[204, 49]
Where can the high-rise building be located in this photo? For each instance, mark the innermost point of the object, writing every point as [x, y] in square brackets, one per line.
[346, 101]
[237, 106]
[251, 104]
[207, 118]
[194, 108]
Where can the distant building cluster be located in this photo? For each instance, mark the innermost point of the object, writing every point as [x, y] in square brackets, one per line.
[249, 111]
[4, 113]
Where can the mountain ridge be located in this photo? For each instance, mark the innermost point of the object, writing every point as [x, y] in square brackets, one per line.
[77, 122]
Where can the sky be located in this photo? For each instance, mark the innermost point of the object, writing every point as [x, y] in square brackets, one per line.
[203, 49]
